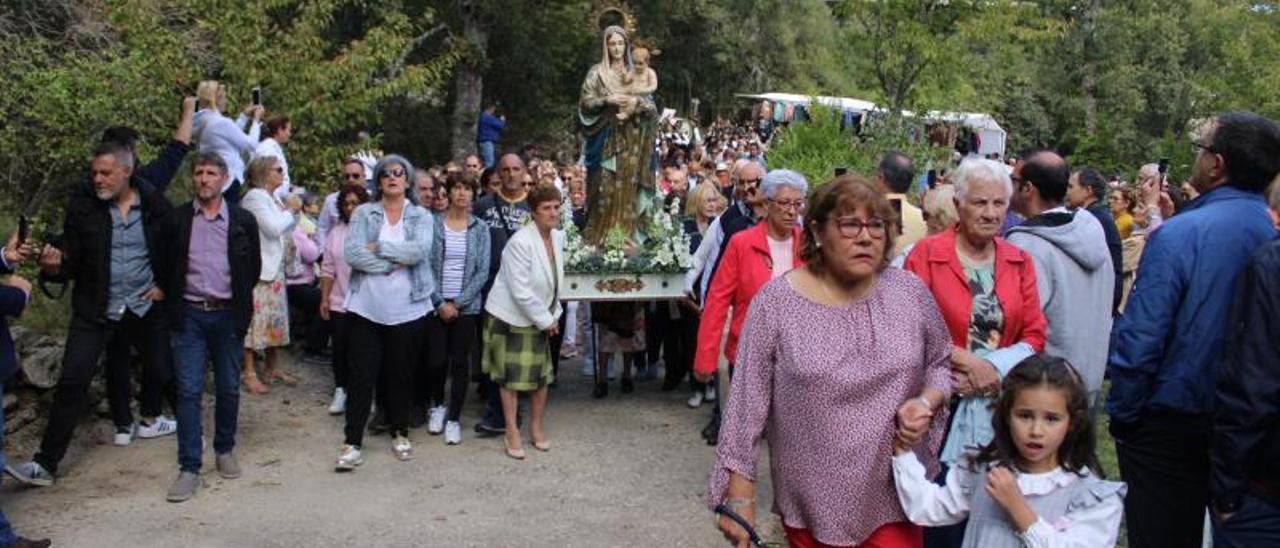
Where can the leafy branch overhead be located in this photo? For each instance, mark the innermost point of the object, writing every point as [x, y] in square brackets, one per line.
[331, 65]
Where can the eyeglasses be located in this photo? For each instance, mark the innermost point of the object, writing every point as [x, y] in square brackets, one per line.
[749, 182]
[1197, 146]
[797, 205]
[353, 176]
[393, 173]
[851, 227]
[280, 170]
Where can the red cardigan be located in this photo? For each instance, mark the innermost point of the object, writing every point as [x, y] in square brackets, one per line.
[745, 267]
[935, 261]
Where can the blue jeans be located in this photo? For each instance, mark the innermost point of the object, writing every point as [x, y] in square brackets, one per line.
[208, 334]
[485, 148]
[6, 531]
[1256, 524]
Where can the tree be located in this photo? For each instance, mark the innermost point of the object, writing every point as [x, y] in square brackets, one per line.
[330, 64]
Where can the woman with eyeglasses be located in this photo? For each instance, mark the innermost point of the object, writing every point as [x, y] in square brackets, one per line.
[986, 290]
[270, 327]
[389, 296]
[833, 354]
[754, 256]
[335, 276]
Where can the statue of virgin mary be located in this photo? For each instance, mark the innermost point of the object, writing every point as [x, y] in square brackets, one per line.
[618, 153]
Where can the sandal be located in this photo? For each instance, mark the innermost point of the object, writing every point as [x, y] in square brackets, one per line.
[253, 385]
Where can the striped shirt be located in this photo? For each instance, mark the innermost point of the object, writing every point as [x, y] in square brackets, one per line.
[455, 256]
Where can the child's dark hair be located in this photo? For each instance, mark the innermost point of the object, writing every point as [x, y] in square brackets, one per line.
[1078, 449]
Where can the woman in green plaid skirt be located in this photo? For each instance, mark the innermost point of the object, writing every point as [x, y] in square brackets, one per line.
[523, 314]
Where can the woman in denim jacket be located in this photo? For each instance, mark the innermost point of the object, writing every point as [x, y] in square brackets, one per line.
[460, 264]
[388, 298]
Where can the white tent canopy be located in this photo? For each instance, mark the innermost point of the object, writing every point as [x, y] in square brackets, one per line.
[991, 135]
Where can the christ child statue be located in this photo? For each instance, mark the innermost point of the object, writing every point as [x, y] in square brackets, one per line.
[640, 82]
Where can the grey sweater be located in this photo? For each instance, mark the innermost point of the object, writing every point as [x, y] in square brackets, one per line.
[1075, 281]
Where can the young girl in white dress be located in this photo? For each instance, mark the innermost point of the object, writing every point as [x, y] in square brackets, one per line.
[1037, 484]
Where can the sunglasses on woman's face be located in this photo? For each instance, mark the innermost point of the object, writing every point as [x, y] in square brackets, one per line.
[397, 173]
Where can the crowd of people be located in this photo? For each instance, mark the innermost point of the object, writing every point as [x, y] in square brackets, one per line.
[926, 369]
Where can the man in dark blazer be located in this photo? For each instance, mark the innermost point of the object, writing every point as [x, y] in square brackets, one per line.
[211, 262]
[109, 252]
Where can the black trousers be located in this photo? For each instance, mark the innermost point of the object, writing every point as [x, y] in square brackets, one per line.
[306, 299]
[339, 324]
[377, 350]
[148, 336]
[1165, 461]
[657, 327]
[681, 343]
[448, 355]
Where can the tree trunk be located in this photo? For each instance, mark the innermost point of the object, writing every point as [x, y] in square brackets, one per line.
[1089, 68]
[468, 82]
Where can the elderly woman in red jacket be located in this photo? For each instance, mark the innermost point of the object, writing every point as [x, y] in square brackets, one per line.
[753, 257]
[986, 289]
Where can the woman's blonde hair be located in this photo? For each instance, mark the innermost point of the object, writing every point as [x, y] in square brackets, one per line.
[207, 94]
[940, 206]
[698, 197]
[259, 169]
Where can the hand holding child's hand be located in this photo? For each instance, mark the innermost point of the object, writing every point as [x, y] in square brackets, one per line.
[913, 422]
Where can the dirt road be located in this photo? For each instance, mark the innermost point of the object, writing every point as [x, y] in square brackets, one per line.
[626, 471]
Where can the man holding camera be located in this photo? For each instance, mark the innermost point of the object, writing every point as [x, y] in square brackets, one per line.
[108, 249]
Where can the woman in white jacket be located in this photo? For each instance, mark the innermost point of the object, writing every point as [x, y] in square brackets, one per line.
[216, 133]
[523, 314]
[270, 327]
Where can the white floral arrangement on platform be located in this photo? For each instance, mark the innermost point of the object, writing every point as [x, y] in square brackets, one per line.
[665, 247]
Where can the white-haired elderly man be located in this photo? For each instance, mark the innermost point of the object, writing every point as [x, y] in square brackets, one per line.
[754, 256]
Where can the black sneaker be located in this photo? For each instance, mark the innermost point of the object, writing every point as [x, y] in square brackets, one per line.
[486, 430]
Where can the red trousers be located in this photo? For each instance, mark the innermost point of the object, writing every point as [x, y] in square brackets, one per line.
[902, 534]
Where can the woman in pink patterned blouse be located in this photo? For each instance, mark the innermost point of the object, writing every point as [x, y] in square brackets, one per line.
[831, 356]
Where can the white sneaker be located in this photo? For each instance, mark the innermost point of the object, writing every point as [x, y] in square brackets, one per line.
[453, 433]
[695, 401]
[339, 404]
[710, 396]
[125, 436]
[160, 426]
[402, 448]
[349, 457]
[435, 419]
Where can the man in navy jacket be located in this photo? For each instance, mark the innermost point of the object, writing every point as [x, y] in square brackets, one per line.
[1171, 333]
[14, 294]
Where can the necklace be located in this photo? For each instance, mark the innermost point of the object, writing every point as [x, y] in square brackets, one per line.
[822, 282]
[838, 302]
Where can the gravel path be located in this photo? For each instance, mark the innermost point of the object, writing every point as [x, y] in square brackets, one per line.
[627, 471]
